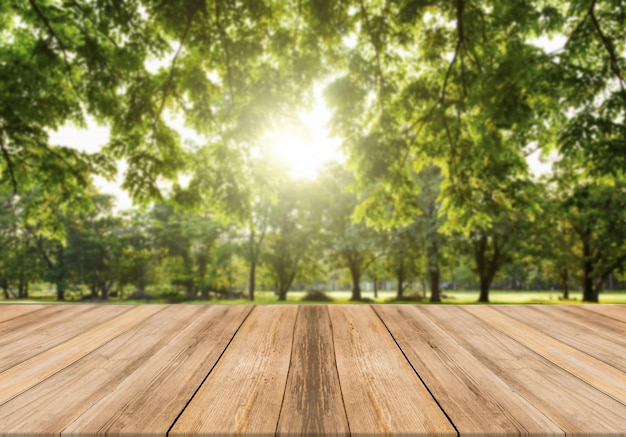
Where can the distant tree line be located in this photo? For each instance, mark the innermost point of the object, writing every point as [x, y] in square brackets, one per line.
[304, 236]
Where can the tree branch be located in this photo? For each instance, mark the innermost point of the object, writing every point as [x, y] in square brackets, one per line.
[170, 78]
[46, 22]
[609, 48]
[379, 70]
[224, 41]
[70, 167]
[442, 96]
[7, 158]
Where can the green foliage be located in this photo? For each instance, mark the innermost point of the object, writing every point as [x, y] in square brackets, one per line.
[437, 104]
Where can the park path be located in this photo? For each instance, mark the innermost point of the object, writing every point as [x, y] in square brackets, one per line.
[312, 370]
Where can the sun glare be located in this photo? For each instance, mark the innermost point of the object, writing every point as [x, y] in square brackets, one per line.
[307, 146]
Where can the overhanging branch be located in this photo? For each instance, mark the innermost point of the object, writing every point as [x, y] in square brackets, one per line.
[7, 158]
[46, 22]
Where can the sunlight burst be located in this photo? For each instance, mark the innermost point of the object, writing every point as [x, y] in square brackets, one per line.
[305, 147]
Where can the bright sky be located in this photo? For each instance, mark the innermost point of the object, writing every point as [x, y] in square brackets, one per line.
[307, 147]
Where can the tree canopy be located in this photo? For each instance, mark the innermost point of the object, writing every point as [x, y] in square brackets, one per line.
[465, 90]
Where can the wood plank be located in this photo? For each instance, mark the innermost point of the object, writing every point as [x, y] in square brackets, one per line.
[570, 328]
[475, 399]
[244, 392]
[11, 311]
[313, 405]
[35, 321]
[591, 370]
[47, 408]
[381, 392]
[28, 373]
[596, 322]
[575, 406]
[614, 311]
[148, 401]
[52, 331]
[607, 321]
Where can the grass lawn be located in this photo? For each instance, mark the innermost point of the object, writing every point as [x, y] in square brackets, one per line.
[452, 297]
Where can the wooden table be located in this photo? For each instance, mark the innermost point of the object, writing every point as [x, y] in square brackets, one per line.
[312, 370]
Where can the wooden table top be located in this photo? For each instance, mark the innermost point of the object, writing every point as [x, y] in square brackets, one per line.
[312, 370]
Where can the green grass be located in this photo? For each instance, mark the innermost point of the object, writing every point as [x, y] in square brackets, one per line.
[343, 297]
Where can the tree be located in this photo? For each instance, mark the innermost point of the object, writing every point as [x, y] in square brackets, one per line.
[404, 256]
[352, 244]
[554, 239]
[595, 211]
[294, 223]
[93, 248]
[188, 238]
[20, 263]
[141, 261]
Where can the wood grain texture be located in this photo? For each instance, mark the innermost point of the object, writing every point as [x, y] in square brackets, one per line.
[149, 399]
[571, 328]
[591, 370]
[616, 311]
[313, 404]
[244, 392]
[596, 323]
[52, 405]
[382, 394]
[11, 311]
[53, 330]
[28, 373]
[575, 406]
[313, 370]
[33, 321]
[475, 398]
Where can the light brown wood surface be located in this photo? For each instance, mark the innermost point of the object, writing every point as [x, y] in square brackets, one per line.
[604, 377]
[381, 392]
[617, 312]
[8, 312]
[475, 398]
[313, 403]
[31, 372]
[244, 392]
[51, 330]
[151, 398]
[606, 346]
[574, 405]
[157, 370]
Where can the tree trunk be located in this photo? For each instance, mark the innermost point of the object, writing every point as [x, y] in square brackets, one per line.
[487, 268]
[252, 279]
[60, 290]
[589, 293]
[21, 288]
[61, 273]
[484, 289]
[435, 292]
[253, 260]
[282, 293]
[106, 288]
[355, 273]
[5, 288]
[400, 281]
[565, 284]
[375, 288]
